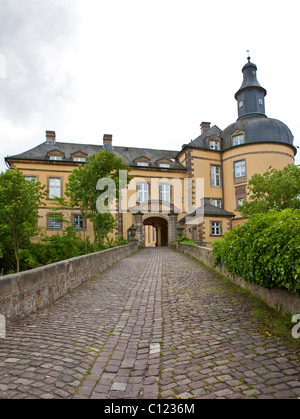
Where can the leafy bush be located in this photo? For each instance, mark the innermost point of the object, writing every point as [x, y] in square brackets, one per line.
[265, 250]
[185, 240]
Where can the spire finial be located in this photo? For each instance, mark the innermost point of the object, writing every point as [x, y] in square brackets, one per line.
[248, 58]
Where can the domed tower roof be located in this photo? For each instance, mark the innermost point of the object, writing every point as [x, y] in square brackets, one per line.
[252, 121]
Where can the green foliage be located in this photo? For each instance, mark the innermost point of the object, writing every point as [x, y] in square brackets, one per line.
[19, 203]
[82, 190]
[185, 240]
[265, 250]
[51, 249]
[275, 189]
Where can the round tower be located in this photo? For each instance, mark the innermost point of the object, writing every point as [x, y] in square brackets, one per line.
[254, 142]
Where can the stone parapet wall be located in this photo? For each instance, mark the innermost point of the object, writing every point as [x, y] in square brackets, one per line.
[275, 298]
[27, 292]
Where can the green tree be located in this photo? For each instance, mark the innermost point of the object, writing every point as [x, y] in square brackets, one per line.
[19, 203]
[83, 190]
[275, 189]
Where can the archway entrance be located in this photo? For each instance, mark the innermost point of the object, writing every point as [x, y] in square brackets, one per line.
[160, 216]
[156, 232]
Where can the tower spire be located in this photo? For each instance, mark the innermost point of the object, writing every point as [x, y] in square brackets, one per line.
[251, 95]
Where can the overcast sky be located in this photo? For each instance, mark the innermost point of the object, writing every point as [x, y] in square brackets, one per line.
[148, 72]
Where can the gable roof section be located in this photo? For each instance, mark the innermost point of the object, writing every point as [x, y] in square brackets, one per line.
[202, 140]
[128, 154]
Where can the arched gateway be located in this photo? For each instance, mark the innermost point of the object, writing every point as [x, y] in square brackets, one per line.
[162, 215]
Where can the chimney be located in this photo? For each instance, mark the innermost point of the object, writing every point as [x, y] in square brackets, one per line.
[50, 136]
[107, 141]
[205, 126]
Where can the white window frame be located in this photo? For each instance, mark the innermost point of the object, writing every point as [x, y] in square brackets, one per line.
[78, 222]
[166, 165]
[216, 228]
[143, 192]
[165, 192]
[57, 158]
[55, 190]
[79, 159]
[142, 163]
[238, 139]
[54, 223]
[239, 169]
[215, 175]
[217, 203]
[214, 145]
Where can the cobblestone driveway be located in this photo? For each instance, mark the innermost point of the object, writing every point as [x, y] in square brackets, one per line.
[155, 325]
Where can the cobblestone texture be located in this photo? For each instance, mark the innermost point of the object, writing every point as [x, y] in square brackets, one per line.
[155, 325]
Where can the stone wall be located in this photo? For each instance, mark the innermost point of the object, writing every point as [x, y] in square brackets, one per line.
[30, 291]
[275, 298]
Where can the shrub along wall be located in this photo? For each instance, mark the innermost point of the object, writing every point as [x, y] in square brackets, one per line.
[29, 291]
[265, 250]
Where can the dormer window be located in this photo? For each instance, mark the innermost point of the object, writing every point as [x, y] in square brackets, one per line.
[55, 155]
[214, 145]
[164, 163]
[79, 157]
[238, 140]
[142, 161]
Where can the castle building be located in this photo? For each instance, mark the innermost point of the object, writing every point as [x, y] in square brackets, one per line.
[194, 191]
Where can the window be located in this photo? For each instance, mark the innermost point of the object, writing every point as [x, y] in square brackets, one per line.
[143, 192]
[78, 221]
[215, 175]
[217, 202]
[142, 163]
[214, 145]
[241, 104]
[54, 188]
[238, 139]
[55, 158]
[240, 201]
[165, 193]
[80, 159]
[30, 178]
[54, 222]
[260, 102]
[164, 164]
[239, 169]
[216, 228]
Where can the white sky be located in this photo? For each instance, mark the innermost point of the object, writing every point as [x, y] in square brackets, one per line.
[148, 72]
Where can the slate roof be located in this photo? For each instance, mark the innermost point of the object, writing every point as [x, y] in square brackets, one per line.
[202, 140]
[128, 154]
[209, 209]
[258, 128]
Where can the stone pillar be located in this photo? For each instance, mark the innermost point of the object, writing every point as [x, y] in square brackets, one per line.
[173, 221]
[138, 224]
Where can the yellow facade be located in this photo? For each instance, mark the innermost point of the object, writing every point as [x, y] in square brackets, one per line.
[258, 158]
[168, 187]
